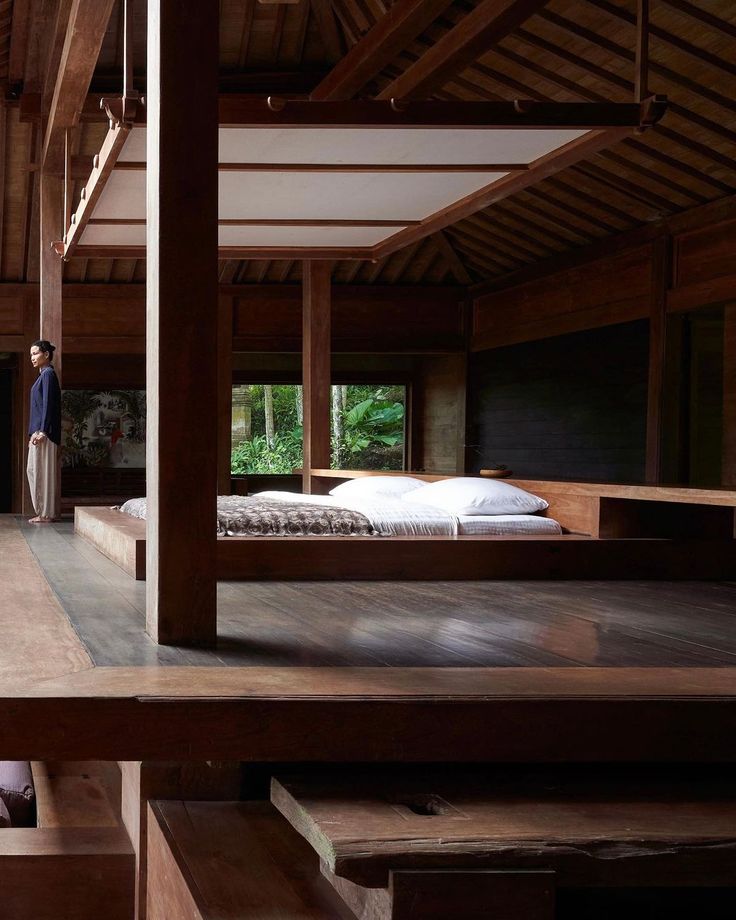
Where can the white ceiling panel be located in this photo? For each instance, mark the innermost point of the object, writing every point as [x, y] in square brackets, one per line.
[135, 235]
[399, 146]
[345, 196]
[124, 195]
[388, 145]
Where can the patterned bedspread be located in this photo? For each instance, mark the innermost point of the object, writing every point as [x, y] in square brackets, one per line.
[240, 516]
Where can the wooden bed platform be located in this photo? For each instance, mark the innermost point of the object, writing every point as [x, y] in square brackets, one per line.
[613, 532]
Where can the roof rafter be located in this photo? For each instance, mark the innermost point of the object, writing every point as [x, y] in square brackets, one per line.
[88, 21]
[401, 24]
[478, 31]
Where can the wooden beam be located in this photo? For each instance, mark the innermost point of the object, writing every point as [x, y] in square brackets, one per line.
[392, 34]
[316, 367]
[327, 26]
[242, 111]
[19, 41]
[56, 47]
[343, 167]
[88, 20]
[182, 308]
[457, 267]
[728, 461]
[102, 168]
[52, 211]
[475, 34]
[660, 277]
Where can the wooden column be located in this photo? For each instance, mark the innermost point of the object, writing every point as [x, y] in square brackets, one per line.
[52, 270]
[224, 392]
[660, 277]
[728, 463]
[316, 348]
[182, 304]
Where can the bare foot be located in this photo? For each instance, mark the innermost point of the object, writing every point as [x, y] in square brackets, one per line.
[34, 520]
[41, 520]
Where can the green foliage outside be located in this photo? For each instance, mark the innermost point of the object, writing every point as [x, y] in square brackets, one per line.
[368, 432]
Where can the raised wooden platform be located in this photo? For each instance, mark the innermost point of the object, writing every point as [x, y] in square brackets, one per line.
[377, 714]
[122, 539]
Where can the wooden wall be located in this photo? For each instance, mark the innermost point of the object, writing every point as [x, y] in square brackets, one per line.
[572, 407]
[104, 337]
[655, 274]
[438, 413]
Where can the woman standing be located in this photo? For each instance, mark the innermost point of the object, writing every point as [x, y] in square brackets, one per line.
[44, 430]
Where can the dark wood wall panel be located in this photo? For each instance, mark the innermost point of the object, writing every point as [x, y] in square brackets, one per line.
[571, 407]
[11, 315]
[363, 319]
[600, 293]
[92, 372]
[709, 252]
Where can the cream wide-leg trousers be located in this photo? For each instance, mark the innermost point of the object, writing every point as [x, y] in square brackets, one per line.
[41, 471]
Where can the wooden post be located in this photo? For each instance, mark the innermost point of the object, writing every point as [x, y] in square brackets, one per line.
[660, 275]
[316, 348]
[728, 462]
[224, 392]
[641, 79]
[181, 301]
[52, 269]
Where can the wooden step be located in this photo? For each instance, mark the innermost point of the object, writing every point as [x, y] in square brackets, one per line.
[229, 860]
[83, 873]
[591, 827]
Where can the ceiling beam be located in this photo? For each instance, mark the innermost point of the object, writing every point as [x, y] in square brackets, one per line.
[699, 15]
[393, 32]
[475, 34]
[19, 41]
[88, 21]
[245, 111]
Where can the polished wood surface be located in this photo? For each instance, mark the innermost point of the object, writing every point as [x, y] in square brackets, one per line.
[75, 873]
[182, 318]
[76, 794]
[41, 647]
[228, 860]
[365, 824]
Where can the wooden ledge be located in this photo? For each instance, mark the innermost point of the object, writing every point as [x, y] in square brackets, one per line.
[377, 714]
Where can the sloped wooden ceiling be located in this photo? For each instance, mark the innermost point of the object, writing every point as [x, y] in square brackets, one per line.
[572, 50]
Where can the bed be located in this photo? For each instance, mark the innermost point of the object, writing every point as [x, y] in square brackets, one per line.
[276, 514]
[608, 532]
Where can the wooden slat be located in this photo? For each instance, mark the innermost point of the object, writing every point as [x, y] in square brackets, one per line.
[728, 455]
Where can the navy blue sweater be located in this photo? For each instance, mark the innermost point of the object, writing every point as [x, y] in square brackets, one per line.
[46, 405]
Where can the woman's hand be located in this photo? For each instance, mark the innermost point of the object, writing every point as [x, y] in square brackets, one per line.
[37, 437]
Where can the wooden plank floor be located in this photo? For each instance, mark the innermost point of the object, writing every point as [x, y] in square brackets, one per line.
[38, 641]
[381, 624]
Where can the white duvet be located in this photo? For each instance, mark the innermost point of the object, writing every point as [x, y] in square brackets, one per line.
[394, 517]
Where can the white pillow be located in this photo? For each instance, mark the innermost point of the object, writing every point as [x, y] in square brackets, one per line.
[468, 495]
[383, 486]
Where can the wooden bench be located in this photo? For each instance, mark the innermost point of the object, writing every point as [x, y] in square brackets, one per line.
[500, 842]
[78, 863]
[228, 860]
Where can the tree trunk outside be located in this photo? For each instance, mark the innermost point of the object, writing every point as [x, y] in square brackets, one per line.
[268, 412]
[299, 405]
